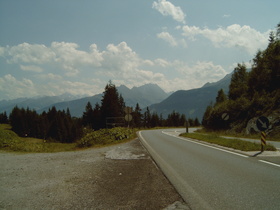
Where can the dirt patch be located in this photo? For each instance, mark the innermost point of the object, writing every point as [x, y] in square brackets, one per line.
[117, 177]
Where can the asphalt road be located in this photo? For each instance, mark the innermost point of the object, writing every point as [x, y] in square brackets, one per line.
[208, 177]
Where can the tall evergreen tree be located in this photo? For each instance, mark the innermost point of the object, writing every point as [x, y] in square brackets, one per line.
[88, 116]
[111, 104]
[97, 120]
[137, 116]
[238, 86]
[4, 117]
[221, 97]
[147, 118]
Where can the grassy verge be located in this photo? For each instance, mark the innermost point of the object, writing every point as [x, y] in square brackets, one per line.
[239, 135]
[10, 141]
[106, 137]
[231, 143]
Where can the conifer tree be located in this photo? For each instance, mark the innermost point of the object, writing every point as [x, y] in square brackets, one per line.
[221, 97]
[238, 86]
[111, 104]
[137, 116]
[88, 116]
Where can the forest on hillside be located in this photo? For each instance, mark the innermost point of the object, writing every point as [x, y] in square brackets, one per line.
[251, 93]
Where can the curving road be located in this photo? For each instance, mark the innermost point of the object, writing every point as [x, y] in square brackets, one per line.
[208, 177]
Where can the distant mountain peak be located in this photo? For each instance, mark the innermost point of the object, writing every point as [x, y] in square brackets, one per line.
[192, 102]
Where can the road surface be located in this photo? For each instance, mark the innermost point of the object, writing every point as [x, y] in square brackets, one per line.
[208, 177]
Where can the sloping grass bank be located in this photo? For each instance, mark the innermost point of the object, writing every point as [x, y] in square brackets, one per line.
[231, 143]
[10, 141]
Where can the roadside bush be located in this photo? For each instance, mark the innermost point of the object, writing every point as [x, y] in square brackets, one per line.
[105, 136]
[7, 137]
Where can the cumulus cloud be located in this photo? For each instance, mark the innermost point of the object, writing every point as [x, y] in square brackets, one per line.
[173, 42]
[243, 37]
[168, 38]
[120, 58]
[32, 68]
[10, 87]
[68, 53]
[95, 68]
[65, 55]
[166, 8]
[70, 58]
[200, 72]
[29, 53]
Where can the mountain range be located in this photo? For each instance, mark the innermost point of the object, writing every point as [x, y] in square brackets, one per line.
[192, 102]
[144, 95]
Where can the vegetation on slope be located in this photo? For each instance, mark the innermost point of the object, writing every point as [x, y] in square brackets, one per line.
[251, 93]
[10, 141]
[230, 143]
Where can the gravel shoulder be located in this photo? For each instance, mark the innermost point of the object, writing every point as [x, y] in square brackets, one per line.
[122, 176]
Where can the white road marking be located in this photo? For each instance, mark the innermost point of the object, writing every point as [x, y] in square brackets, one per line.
[223, 150]
[263, 161]
[213, 147]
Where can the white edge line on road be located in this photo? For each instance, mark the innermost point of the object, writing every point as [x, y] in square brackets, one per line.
[172, 175]
[263, 161]
[186, 139]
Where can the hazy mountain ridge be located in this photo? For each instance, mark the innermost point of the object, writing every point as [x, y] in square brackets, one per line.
[35, 103]
[192, 102]
[145, 95]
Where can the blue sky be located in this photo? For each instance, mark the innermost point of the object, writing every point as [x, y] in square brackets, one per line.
[57, 46]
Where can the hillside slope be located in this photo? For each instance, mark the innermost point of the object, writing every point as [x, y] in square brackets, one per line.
[144, 95]
[193, 102]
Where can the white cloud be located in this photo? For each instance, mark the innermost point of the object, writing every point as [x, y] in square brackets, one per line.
[168, 38]
[117, 62]
[243, 37]
[11, 88]
[167, 8]
[49, 76]
[171, 40]
[31, 68]
[200, 72]
[226, 16]
[67, 53]
[29, 53]
[161, 62]
[72, 59]
[120, 58]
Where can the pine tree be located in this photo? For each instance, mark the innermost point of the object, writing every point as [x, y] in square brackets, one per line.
[221, 97]
[238, 86]
[196, 122]
[3, 118]
[111, 104]
[137, 116]
[147, 118]
[97, 117]
[88, 116]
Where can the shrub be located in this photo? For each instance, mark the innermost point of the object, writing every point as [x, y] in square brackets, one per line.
[105, 136]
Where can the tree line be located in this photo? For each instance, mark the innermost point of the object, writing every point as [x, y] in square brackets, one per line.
[52, 125]
[251, 93]
[56, 125]
[111, 112]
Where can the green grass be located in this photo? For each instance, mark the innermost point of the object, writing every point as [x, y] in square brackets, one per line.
[106, 137]
[239, 135]
[10, 141]
[231, 143]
